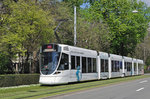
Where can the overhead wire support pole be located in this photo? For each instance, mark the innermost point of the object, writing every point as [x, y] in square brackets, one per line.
[75, 34]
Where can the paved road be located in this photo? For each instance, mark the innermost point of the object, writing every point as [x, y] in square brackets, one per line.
[138, 89]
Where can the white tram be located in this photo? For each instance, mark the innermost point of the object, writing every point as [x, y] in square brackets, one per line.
[63, 64]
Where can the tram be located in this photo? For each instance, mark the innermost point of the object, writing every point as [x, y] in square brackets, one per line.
[61, 64]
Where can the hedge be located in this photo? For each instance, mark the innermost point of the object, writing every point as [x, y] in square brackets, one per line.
[147, 71]
[18, 79]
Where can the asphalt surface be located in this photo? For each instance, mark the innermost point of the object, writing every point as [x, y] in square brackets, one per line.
[138, 89]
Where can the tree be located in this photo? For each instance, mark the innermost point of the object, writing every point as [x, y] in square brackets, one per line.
[63, 19]
[127, 29]
[5, 64]
[24, 28]
[73, 3]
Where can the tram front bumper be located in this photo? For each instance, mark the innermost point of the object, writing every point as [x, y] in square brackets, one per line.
[51, 80]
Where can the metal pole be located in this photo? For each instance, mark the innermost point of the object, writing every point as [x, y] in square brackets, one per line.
[75, 26]
[144, 53]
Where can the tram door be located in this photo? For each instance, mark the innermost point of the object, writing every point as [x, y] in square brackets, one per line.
[75, 71]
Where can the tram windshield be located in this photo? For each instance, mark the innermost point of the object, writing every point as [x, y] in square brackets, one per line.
[49, 62]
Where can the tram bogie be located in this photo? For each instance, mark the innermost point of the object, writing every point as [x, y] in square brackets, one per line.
[63, 64]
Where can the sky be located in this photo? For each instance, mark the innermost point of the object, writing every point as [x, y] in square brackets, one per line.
[147, 2]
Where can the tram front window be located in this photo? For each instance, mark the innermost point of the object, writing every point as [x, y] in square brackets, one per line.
[49, 62]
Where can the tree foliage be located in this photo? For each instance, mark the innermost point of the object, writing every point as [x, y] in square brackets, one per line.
[4, 64]
[127, 28]
[24, 27]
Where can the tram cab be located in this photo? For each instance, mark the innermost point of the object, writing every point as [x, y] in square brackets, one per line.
[63, 64]
[54, 64]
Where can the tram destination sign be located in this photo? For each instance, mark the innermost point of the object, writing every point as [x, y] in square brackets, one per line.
[49, 48]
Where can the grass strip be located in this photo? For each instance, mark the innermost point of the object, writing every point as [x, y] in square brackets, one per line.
[35, 92]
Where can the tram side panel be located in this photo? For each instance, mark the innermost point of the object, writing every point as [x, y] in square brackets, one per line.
[104, 65]
[89, 69]
[140, 67]
[116, 65]
[83, 64]
[134, 66]
[127, 66]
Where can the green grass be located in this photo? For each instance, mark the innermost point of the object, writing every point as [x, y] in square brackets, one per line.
[34, 92]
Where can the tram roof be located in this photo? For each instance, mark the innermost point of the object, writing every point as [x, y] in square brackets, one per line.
[103, 55]
[140, 61]
[115, 57]
[127, 59]
[134, 60]
[79, 51]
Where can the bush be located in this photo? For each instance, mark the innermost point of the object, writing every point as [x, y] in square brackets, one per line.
[18, 79]
[146, 71]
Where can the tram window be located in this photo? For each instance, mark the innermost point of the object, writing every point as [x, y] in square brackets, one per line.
[106, 65]
[46, 58]
[134, 66]
[102, 65]
[116, 66]
[125, 65]
[72, 62]
[83, 65]
[89, 65]
[120, 65]
[112, 66]
[94, 65]
[78, 61]
[140, 67]
[128, 66]
[64, 62]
